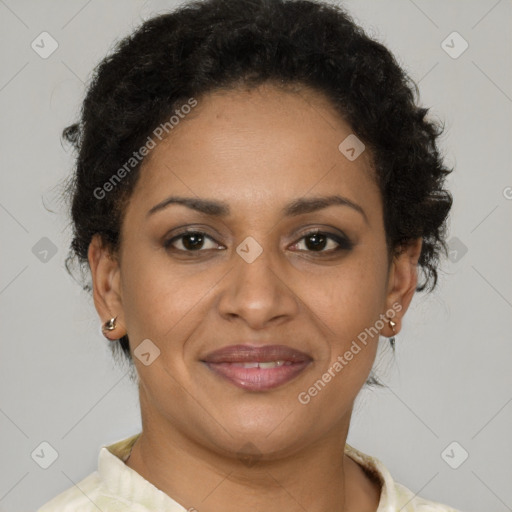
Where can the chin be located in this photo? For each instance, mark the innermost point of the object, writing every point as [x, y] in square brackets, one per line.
[268, 431]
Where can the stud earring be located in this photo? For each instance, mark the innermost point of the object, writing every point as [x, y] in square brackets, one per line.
[109, 325]
[392, 339]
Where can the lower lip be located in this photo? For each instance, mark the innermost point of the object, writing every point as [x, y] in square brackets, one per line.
[258, 379]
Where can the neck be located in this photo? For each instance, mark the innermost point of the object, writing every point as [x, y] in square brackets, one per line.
[320, 477]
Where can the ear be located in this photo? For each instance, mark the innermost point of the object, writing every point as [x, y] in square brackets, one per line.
[402, 282]
[105, 272]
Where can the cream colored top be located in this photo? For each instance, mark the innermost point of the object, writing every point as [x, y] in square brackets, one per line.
[117, 487]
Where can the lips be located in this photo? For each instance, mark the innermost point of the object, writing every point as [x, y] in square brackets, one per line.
[257, 368]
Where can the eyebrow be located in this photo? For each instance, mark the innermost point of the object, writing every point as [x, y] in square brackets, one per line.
[296, 207]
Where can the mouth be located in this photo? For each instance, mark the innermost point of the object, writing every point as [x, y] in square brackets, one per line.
[257, 368]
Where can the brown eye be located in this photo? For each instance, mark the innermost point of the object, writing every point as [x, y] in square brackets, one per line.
[318, 241]
[191, 241]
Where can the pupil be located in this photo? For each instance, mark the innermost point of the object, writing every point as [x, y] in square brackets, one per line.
[195, 238]
[318, 241]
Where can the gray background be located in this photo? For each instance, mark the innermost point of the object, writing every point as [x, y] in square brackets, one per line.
[450, 379]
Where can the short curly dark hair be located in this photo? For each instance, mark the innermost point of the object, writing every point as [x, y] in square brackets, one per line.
[220, 44]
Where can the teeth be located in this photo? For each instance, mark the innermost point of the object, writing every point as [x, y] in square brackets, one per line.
[270, 364]
[247, 365]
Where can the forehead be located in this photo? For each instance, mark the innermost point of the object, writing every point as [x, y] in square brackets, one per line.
[256, 148]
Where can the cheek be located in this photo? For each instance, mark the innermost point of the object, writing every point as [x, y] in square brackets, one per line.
[163, 302]
[347, 297]
[152, 295]
[347, 302]
[351, 313]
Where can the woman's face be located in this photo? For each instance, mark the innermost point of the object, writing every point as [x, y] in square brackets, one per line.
[255, 275]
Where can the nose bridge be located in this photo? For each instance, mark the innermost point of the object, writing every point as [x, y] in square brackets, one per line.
[256, 291]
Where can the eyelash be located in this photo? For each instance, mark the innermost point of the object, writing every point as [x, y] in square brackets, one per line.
[344, 244]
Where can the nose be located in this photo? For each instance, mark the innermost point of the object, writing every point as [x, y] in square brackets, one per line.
[257, 292]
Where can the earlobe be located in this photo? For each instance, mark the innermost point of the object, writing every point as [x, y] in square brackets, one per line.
[105, 273]
[403, 280]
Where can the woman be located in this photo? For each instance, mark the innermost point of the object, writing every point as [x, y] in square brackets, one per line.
[255, 192]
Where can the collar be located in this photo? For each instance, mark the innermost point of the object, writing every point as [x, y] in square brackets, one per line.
[125, 483]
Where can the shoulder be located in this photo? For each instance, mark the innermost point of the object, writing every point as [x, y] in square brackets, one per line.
[87, 495]
[394, 496]
[407, 501]
[102, 489]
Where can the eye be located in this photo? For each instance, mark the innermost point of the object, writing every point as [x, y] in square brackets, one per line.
[317, 241]
[190, 241]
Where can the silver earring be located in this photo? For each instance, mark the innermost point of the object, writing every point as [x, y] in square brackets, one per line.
[109, 325]
[392, 339]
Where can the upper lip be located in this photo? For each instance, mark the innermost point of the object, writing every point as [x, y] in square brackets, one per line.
[260, 354]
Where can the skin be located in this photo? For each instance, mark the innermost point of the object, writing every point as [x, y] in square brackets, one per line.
[257, 150]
